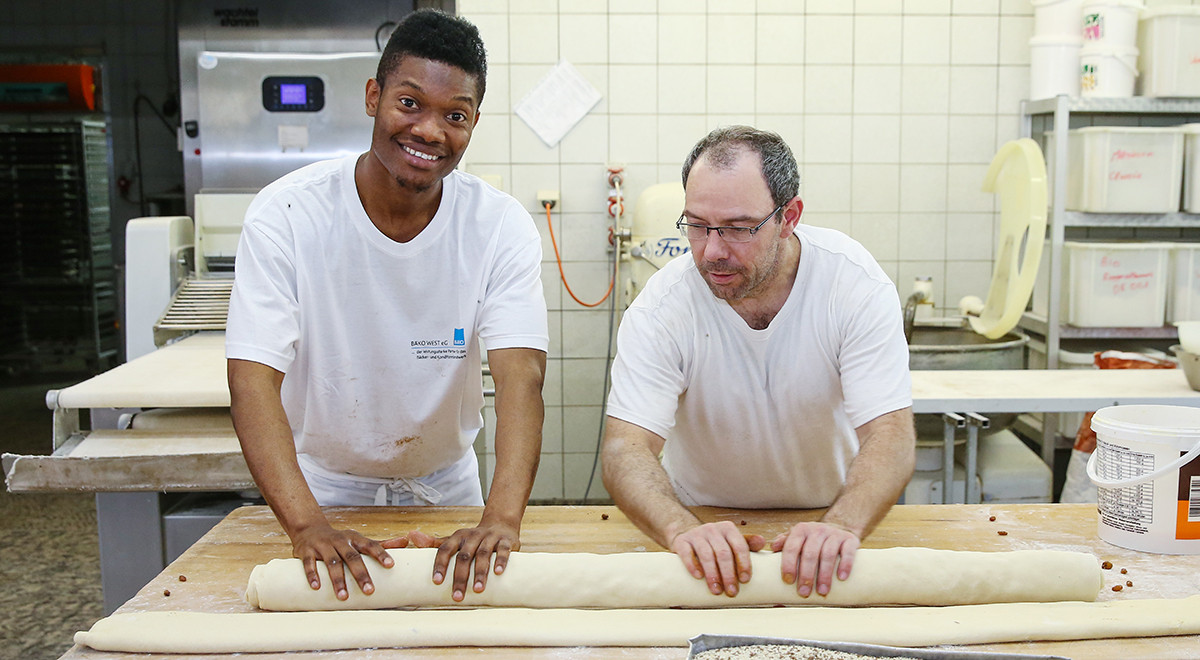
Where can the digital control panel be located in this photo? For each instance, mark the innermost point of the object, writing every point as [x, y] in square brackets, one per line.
[293, 94]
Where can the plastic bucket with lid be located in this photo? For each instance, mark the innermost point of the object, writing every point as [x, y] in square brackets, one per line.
[1147, 469]
[1107, 71]
[1054, 66]
[1111, 22]
[1056, 17]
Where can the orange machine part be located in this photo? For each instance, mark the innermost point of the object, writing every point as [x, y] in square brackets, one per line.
[78, 79]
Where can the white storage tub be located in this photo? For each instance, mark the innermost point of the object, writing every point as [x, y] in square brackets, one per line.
[1169, 61]
[1191, 168]
[1076, 171]
[1184, 302]
[1122, 169]
[1115, 285]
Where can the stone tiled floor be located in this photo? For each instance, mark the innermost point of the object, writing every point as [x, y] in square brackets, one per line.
[49, 558]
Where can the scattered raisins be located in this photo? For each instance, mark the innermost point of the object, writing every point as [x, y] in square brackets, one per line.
[1129, 583]
[166, 592]
[604, 516]
[743, 523]
[992, 518]
[1124, 571]
[183, 578]
[1117, 587]
[1002, 533]
[1106, 565]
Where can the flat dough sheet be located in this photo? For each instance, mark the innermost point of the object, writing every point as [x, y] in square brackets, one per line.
[892, 576]
[195, 632]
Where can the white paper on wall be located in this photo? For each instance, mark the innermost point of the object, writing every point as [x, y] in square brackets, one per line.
[559, 100]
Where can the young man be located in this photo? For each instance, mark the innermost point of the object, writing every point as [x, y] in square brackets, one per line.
[772, 369]
[363, 287]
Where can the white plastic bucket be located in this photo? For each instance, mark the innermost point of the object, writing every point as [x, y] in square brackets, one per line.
[1147, 471]
[1054, 66]
[1056, 17]
[1111, 22]
[1107, 71]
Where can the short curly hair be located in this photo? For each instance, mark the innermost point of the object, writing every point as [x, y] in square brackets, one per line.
[435, 35]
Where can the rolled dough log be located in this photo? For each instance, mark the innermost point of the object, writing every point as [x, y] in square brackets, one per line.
[196, 632]
[893, 576]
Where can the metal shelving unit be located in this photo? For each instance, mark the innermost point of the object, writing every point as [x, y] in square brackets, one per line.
[57, 274]
[1060, 114]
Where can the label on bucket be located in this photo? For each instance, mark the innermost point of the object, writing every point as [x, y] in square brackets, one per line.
[1139, 516]
[1187, 522]
[1128, 509]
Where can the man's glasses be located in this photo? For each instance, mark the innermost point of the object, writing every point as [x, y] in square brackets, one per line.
[698, 233]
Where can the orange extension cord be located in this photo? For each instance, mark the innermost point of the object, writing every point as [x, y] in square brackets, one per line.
[612, 280]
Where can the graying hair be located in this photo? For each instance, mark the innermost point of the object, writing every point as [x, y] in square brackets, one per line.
[722, 147]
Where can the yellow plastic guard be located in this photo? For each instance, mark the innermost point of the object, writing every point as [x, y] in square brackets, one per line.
[1018, 175]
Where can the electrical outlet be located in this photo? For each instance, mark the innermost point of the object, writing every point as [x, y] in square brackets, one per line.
[545, 197]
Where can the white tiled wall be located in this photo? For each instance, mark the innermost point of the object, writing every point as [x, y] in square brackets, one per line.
[893, 108]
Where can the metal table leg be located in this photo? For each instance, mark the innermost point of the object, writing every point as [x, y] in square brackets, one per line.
[131, 544]
[951, 421]
[975, 422]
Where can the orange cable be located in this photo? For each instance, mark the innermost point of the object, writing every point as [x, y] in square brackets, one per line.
[563, 275]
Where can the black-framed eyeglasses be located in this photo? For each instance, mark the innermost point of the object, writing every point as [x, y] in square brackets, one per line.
[698, 233]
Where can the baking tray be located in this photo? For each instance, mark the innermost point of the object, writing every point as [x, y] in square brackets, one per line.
[701, 643]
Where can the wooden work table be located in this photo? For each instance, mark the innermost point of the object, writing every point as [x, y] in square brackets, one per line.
[217, 567]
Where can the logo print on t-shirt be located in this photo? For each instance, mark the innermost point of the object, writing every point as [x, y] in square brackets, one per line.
[441, 349]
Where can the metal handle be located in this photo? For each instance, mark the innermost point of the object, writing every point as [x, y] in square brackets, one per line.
[1133, 481]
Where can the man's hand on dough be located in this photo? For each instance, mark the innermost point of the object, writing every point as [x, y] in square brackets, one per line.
[340, 549]
[475, 545]
[811, 550]
[717, 553]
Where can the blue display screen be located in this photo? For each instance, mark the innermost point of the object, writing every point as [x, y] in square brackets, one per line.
[293, 94]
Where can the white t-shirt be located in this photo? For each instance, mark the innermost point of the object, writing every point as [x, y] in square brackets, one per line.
[379, 340]
[763, 418]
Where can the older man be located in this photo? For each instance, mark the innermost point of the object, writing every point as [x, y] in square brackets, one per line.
[770, 371]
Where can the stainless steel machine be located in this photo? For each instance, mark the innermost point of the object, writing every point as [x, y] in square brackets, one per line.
[265, 88]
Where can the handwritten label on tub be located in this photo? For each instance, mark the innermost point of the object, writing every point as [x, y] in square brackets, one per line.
[1122, 280]
[1129, 159]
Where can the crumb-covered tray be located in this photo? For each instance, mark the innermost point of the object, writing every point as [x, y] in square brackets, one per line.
[702, 643]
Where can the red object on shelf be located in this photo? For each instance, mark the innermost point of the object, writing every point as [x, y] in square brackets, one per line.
[26, 87]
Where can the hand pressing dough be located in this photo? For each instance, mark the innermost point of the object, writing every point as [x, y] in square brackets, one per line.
[195, 632]
[893, 576]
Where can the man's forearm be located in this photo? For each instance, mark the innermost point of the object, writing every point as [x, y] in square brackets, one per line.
[520, 413]
[877, 476]
[518, 450]
[267, 445]
[640, 487]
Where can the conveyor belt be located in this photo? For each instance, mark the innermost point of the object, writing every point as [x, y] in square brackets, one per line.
[187, 374]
